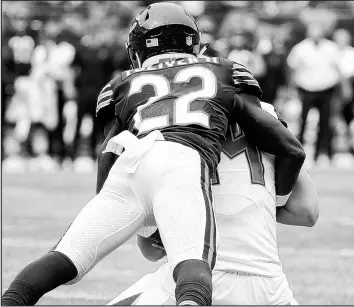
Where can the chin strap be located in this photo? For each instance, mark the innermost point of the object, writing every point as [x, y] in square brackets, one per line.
[205, 47]
[138, 60]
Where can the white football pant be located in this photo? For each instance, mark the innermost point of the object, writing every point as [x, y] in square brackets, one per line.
[153, 182]
[228, 289]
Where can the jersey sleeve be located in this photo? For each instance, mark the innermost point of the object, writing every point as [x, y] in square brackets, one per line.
[105, 101]
[105, 98]
[244, 82]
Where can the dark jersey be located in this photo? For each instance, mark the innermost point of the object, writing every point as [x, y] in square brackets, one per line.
[190, 100]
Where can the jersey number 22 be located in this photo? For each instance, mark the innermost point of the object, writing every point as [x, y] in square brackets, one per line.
[162, 87]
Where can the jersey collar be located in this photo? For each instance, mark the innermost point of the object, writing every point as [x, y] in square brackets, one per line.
[156, 58]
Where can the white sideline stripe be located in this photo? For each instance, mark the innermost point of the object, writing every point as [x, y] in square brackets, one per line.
[344, 252]
[78, 295]
[345, 221]
[27, 242]
[24, 189]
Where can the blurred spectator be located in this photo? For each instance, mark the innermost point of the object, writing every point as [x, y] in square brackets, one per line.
[271, 46]
[95, 67]
[239, 30]
[253, 46]
[50, 81]
[346, 61]
[22, 46]
[242, 46]
[51, 63]
[315, 73]
[207, 28]
[7, 80]
[17, 49]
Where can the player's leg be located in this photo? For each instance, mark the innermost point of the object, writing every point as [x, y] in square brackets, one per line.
[348, 115]
[95, 135]
[146, 291]
[184, 215]
[306, 102]
[38, 278]
[243, 289]
[108, 221]
[104, 224]
[324, 135]
[57, 145]
[81, 109]
[239, 289]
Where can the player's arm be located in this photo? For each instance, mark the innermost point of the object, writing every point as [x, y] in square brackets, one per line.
[302, 207]
[105, 113]
[265, 131]
[271, 136]
[106, 160]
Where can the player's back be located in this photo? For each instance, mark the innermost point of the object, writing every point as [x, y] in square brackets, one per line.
[244, 203]
[190, 100]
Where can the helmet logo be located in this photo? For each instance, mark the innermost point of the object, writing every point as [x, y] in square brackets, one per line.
[153, 42]
[189, 41]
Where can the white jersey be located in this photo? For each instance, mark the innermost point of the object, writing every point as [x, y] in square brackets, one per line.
[244, 204]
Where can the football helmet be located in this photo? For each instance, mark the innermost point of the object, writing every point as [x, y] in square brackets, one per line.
[162, 28]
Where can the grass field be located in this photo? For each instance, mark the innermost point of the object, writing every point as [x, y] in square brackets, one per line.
[37, 208]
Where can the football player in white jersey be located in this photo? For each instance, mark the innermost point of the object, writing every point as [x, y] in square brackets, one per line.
[248, 269]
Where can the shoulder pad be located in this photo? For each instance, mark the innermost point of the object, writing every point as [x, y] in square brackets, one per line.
[244, 81]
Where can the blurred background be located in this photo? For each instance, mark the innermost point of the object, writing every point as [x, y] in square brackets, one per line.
[57, 55]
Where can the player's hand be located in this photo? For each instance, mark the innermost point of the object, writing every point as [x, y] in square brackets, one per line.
[156, 238]
[151, 247]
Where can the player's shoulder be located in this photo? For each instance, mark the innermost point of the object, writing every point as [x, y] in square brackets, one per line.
[238, 70]
[105, 96]
[113, 83]
[225, 63]
[244, 81]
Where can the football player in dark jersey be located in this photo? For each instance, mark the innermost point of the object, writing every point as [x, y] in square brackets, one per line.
[169, 114]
